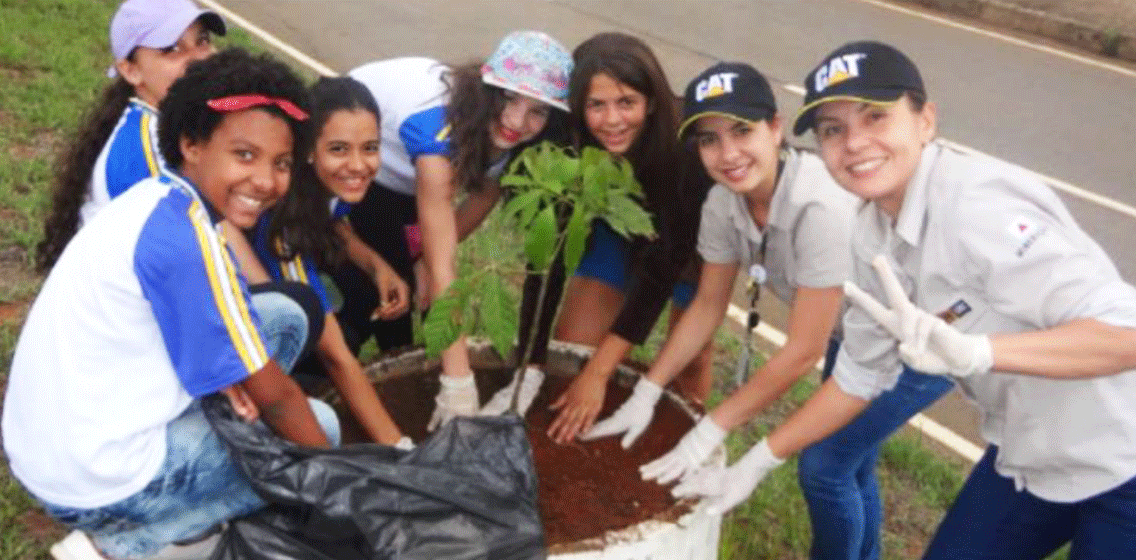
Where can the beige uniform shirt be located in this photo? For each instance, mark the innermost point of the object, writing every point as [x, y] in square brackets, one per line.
[810, 224]
[991, 249]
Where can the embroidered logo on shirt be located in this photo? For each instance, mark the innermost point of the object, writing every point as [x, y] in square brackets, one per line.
[1025, 231]
[955, 311]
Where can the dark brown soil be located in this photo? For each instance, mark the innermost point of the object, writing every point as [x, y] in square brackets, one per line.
[586, 488]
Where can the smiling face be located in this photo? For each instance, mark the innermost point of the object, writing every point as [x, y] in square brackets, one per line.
[151, 71]
[739, 154]
[244, 167]
[872, 149]
[614, 113]
[521, 119]
[346, 154]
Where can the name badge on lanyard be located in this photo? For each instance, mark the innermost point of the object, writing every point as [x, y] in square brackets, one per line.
[757, 276]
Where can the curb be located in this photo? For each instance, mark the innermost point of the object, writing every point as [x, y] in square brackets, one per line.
[1105, 42]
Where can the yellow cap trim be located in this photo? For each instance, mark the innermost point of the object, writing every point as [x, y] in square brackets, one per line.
[696, 116]
[816, 102]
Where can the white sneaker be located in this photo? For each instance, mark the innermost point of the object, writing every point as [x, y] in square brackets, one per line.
[76, 546]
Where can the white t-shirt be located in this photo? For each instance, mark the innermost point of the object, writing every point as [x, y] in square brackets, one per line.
[142, 313]
[412, 96]
[412, 99]
[989, 248]
[809, 229]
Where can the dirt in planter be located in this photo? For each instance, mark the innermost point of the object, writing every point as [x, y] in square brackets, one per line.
[586, 488]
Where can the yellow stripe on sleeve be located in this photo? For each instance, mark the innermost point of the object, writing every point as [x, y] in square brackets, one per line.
[233, 310]
[147, 145]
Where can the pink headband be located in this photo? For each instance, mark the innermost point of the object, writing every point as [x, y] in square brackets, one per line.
[248, 101]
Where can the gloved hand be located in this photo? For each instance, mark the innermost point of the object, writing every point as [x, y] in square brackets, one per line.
[404, 443]
[926, 342]
[632, 417]
[686, 457]
[501, 400]
[729, 486]
[457, 397]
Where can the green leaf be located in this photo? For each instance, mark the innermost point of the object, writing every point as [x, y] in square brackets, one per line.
[627, 179]
[523, 207]
[540, 239]
[567, 170]
[442, 325]
[576, 237]
[627, 218]
[516, 180]
[498, 313]
[551, 185]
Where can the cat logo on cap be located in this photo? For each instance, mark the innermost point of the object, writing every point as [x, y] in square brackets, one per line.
[838, 69]
[715, 85]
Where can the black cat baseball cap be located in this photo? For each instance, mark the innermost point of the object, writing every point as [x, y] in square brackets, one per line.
[866, 71]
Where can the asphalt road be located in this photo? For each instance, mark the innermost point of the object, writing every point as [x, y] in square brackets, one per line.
[1065, 118]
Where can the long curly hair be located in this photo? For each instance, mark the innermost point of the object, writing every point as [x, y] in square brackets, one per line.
[73, 171]
[184, 113]
[302, 218]
[473, 108]
[630, 61]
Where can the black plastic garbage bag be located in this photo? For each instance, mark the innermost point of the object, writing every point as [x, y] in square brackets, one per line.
[467, 492]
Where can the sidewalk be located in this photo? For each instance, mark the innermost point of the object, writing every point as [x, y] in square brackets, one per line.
[1104, 27]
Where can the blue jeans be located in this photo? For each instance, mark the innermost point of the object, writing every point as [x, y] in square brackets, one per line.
[838, 474]
[199, 485]
[990, 520]
[283, 325]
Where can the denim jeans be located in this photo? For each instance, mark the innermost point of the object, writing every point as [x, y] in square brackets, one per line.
[283, 325]
[838, 474]
[199, 485]
[991, 520]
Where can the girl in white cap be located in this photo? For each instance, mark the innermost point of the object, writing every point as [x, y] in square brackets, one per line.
[989, 280]
[152, 42]
[444, 130]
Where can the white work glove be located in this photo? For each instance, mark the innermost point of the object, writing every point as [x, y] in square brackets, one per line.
[926, 342]
[726, 487]
[632, 417]
[404, 443]
[457, 397]
[688, 456]
[503, 398]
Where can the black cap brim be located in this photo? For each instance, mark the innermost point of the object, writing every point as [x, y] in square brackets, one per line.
[747, 113]
[806, 117]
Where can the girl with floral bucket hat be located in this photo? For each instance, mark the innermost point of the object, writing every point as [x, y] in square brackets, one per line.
[445, 129]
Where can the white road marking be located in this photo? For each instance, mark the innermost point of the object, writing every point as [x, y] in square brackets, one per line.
[269, 38]
[1003, 37]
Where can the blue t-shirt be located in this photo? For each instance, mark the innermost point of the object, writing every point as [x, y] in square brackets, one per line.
[300, 268]
[129, 155]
